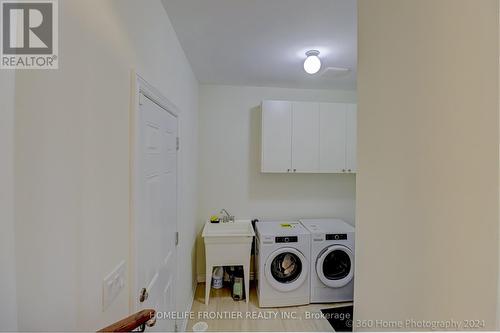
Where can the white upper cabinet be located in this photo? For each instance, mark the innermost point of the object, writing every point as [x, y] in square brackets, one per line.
[276, 136]
[351, 144]
[306, 137]
[332, 143]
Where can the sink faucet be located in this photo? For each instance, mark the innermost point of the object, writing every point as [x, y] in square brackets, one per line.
[227, 218]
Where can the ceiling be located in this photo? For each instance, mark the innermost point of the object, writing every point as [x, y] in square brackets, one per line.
[263, 42]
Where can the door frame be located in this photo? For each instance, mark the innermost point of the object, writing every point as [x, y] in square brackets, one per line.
[141, 87]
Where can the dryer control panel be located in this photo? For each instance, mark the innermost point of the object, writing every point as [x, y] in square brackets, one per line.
[287, 239]
[336, 236]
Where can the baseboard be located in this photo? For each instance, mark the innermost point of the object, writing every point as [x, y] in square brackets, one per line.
[201, 277]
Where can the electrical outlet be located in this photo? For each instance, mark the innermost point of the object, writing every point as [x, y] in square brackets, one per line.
[113, 285]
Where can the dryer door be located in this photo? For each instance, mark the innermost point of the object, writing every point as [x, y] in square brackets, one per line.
[286, 269]
[335, 266]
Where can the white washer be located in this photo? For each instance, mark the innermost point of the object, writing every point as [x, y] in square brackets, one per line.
[332, 260]
[282, 262]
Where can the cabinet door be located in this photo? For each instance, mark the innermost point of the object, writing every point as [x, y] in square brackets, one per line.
[351, 144]
[276, 136]
[305, 137]
[332, 142]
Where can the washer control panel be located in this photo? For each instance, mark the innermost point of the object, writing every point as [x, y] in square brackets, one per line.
[287, 239]
[336, 236]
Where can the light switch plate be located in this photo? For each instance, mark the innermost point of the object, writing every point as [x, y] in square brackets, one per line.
[113, 285]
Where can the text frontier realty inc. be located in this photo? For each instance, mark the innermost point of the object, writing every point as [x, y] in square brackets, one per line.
[235, 315]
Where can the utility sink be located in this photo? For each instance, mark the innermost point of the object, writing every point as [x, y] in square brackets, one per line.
[238, 228]
[228, 244]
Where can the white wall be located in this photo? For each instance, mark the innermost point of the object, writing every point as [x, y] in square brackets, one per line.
[8, 299]
[230, 177]
[427, 183]
[73, 155]
[498, 282]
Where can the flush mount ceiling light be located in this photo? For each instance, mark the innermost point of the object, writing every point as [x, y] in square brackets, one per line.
[312, 64]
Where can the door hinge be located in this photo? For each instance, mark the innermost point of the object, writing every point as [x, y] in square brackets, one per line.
[176, 238]
[178, 143]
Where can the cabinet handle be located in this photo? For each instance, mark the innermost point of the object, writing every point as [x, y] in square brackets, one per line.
[294, 170]
[288, 170]
[343, 170]
[349, 170]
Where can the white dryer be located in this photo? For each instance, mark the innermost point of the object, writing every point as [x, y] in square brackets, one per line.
[282, 263]
[332, 260]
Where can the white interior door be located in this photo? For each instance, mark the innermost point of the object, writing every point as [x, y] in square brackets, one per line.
[276, 136]
[155, 208]
[332, 137]
[305, 137]
[352, 134]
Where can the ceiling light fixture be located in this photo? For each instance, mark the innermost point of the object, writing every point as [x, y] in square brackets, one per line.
[312, 64]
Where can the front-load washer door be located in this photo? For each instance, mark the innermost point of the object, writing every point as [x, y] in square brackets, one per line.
[286, 269]
[335, 266]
